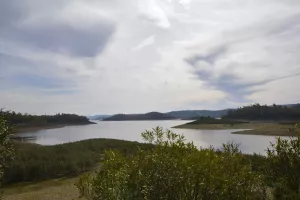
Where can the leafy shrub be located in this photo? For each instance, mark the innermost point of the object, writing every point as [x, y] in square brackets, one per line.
[35, 162]
[6, 148]
[283, 168]
[173, 170]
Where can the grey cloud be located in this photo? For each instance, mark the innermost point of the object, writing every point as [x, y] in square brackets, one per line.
[56, 37]
[283, 26]
[210, 57]
[10, 63]
[9, 12]
[64, 38]
[21, 72]
[233, 85]
[275, 79]
[227, 81]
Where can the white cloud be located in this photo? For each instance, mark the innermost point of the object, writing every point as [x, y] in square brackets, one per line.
[239, 52]
[146, 42]
[152, 11]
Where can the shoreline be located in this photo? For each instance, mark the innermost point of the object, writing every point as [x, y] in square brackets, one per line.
[18, 130]
[36, 128]
[252, 128]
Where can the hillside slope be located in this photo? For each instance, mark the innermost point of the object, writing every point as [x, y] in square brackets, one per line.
[147, 116]
[190, 114]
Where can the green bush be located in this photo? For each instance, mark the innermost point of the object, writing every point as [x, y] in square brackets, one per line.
[6, 147]
[36, 162]
[283, 168]
[173, 170]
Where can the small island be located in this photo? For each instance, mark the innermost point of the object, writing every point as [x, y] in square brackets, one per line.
[135, 117]
[255, 119]
[26, 122]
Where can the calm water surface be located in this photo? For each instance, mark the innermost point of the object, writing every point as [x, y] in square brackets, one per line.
[131, 130]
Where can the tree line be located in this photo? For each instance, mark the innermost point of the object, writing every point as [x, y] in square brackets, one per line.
[147, 116]
[264, 112]
[27, 120]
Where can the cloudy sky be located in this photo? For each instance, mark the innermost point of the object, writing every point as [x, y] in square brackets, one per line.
[131, 56]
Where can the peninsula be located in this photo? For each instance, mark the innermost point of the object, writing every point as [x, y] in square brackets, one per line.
[275, 120]
[26, 122]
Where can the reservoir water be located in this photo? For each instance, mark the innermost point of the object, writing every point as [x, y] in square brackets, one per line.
[131, 130]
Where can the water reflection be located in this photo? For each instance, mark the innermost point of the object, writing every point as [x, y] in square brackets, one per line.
[131, 130]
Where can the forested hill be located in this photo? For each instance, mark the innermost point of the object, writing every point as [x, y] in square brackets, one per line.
[264, 112]
[27, 120]
[195, 114]
[147, 116]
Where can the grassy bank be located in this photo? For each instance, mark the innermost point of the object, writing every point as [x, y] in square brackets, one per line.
[64, 188]
[255, 128]
[40, 166]
[35, 162]
[55, 189]
[49, 172]
[270, 129]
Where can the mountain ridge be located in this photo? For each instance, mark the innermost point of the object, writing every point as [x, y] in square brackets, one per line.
[146, 116]
[180, 114]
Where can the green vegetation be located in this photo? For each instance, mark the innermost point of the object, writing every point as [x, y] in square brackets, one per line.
[35, 162]
[6, 147]
[283, 168]
[25, 121]
[176, 170]
[55, 189]
[182, 114]
[252, 128]
[269, 129]
[147, 116]
[261, 120]
[173, 170]
[195, 114]
[264, 112]
[210, 120]
[166, 168]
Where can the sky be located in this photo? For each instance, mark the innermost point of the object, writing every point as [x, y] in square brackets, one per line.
[115, 56]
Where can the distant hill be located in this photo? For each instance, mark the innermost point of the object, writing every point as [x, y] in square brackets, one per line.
[194, 114]
[98, 117]
[210, 120]
[147, 116]
[265, 112]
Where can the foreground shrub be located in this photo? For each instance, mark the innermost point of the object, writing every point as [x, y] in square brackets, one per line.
[173, 170]
[283, 168]
[6, 148]
[36, 162]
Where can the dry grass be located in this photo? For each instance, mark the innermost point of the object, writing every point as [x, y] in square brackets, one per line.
[255, 128]
[270, 129]
[57, 189]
